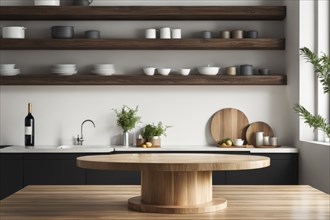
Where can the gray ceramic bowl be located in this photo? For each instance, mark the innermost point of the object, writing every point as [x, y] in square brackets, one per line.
[264, 71]
[92, 34]
[62, 32]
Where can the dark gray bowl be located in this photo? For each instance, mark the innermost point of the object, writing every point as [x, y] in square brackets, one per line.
[92, 34]
[62, 32]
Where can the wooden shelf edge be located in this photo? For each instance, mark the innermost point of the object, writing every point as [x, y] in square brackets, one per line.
[143, 44]
[48, 79]
[143, 13]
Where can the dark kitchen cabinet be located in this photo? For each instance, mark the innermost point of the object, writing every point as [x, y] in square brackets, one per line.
[283, 170]
[52, 169]
[218, 177]
[11, 174]
[19, 170]
[112, 177]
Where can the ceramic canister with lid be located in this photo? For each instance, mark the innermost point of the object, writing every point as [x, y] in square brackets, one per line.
[246, 70]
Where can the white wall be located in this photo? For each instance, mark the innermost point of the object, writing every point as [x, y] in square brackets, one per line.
[60, 110]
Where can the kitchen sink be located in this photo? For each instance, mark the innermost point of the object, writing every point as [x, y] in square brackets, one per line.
[69, 146]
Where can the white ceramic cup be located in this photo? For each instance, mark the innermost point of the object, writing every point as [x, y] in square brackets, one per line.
[274, 141]
[266, 140]
[259, 138]
[165, 33]
[176, 33]
[150, 33]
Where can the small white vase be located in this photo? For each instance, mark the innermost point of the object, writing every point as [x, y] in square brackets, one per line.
[259, 138]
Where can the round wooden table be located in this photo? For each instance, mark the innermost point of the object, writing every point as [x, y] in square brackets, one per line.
[174, 183]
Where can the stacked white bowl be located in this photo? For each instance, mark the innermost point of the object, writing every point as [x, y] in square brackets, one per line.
[64, 69]
[9, 70]
[46, 2]
[103, 69]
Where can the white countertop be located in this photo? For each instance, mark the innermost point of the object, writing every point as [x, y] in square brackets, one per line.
[109, 149]
[57, 149]
[282, 149]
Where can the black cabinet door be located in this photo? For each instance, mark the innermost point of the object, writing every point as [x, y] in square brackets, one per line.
[11, 174]
[280, 172]
[112, 177]
[218, 177]
[49, 169]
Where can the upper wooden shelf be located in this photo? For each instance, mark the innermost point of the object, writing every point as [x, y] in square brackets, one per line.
[143, 13]
[51, 79]
[143, 44]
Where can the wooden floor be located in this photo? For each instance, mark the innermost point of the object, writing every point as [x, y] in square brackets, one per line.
[110, 202]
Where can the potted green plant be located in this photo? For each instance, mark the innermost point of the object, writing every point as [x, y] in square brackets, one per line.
[153, 132]
[322, 70]
[127, 119]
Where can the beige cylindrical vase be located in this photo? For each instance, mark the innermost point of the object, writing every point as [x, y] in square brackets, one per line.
[156, 141]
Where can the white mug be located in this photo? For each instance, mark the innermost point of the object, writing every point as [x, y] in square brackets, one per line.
[273, 141]
[176, 33]
[266, 140]
[151, 33]
[165, 33]
[259, 138]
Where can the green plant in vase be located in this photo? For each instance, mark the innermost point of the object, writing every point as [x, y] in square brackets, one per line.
[153, 132]
[322, 70]
[127, 119]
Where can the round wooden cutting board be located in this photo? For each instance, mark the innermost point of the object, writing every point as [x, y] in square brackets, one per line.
[228, 123]
[257, 126]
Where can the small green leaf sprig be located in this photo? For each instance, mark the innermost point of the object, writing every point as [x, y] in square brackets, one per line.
[314, 121]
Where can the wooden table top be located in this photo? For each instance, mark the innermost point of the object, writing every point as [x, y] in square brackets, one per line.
[110, 202]
[173, 162]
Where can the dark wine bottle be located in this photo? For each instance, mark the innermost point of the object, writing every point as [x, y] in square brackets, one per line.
[29, 127]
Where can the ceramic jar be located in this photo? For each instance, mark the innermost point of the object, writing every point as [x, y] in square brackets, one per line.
[259, 138]
[155, 141]
[246, 70]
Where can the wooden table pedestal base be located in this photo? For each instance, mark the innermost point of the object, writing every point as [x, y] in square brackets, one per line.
[176, 192]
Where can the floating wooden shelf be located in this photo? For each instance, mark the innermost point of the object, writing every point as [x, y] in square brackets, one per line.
[143, 13]
[143, 44]
[48, 79]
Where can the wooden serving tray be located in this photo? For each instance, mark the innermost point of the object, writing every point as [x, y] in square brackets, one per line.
[228, 123]
[243, 146]
[267, 146]
[149, 147]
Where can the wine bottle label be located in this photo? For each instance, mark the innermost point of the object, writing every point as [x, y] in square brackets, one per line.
[28, 130]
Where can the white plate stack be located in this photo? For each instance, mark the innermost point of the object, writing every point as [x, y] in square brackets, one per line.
[9, 70]
[65, 69]
[46, 2]
[103, 69]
